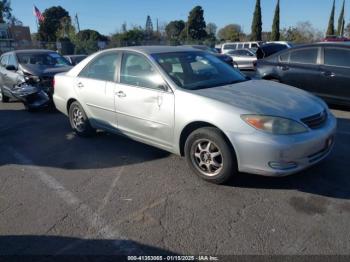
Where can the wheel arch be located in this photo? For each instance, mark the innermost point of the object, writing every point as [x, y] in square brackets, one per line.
[69, 103]
[191, 127]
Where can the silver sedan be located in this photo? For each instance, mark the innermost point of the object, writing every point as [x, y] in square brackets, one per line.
[244, 58]
[190, 103]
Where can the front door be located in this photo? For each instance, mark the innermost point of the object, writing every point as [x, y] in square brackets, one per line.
[336, 74]
[95, 86]
[144, 103]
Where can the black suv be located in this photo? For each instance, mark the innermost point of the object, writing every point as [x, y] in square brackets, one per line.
[27, 75]
[323, 69]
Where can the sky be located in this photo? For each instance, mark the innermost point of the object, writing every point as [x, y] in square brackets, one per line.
[107, 16]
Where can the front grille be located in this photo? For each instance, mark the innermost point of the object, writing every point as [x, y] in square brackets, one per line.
[316, 121]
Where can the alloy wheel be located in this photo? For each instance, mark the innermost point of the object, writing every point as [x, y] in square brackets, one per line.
[207, 158]
[78, 119]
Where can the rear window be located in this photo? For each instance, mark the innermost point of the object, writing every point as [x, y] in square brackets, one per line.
[233, 46]
[337, 57]
[304, 56]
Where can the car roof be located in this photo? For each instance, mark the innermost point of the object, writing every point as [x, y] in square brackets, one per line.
[327, 44]
[156, 49]
[33, 51]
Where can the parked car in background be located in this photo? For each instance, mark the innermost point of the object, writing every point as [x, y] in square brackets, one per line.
[27, 75]
[225, 58]
[335, 38]
[267, 50]
[75, 59]
[226, 47]
[286, 43]
[190, 103]
[244, 58]
[323, 69]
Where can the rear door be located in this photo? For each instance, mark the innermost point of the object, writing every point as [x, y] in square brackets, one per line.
[95, 87]
[3, 74]
[303, 69]
[336, 73]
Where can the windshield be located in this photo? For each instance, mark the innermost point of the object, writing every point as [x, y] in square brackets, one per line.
[48, 59]
[197, 70]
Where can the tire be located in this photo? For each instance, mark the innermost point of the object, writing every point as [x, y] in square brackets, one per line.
[3, 97]
[79, 121]
[215, 163]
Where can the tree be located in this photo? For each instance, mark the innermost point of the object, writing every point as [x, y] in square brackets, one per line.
[275, 35]
[53, 23]
[341, 21]
[86, 41]
[149, 25]
[196, 24]
[303, 32]
[257, 23]
[330, 29]
[173, 31]
[230, 32]
[131, 37]
[6, 13]
[211, 29]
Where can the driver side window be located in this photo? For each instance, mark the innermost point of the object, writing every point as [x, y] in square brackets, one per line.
[137, 71]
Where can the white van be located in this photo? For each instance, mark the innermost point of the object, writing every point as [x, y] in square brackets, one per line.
[239, 45]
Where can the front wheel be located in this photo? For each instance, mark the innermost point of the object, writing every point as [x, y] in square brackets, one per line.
[210, 156]
[79, 121]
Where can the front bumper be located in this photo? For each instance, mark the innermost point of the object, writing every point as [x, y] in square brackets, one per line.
[282, 155]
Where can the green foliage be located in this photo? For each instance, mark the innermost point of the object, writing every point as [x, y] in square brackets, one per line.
[275, 35]
[330, 29]
[230, 32]
[173, 31]
[257, 23]
[6, 13]
[86, 41]
[195, 28]
[53, 23]
[131, 37]
[341, 21]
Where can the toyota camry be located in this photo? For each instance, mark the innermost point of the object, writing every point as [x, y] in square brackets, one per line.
[192, 104]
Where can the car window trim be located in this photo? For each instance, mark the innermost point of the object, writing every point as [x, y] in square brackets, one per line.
[318, 58]
[323, 57]
[154, 67]
[116, 73]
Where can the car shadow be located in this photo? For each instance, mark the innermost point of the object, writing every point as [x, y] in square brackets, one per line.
[74, 249]
[47, 140]
[329, 178]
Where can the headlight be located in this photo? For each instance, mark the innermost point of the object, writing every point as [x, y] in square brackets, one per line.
[275, 125]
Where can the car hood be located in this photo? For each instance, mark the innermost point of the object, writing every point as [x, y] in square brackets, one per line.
[266, 97]
[42, 70]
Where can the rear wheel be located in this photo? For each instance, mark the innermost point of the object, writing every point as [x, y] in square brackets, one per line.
[79, 121]
[210, 156]
[3, 97]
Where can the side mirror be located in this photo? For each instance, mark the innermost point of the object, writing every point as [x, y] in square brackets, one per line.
[11, 68]
[163, 87]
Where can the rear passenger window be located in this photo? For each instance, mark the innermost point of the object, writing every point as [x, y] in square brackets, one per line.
[246, 45]
[304, 56]
[102, 68]
[337, 57]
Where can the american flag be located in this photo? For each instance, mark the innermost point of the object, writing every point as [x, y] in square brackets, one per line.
[38, 14]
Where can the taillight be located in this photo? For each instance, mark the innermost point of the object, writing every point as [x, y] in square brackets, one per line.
[53, 82]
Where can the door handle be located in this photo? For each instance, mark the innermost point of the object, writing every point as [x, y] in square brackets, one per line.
[328, 74]
[120, 94]
[80, 85]
[284, 68]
